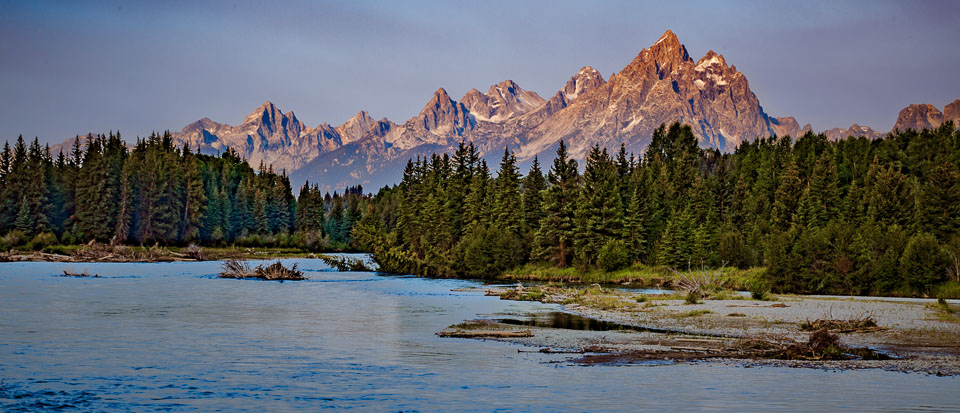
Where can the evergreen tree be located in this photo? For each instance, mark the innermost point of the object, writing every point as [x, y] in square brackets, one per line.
[787, 199]
[507, 207]
[476, 207]
[678, 241]
[923, 262]
[819, 202]
[554, 239]
[125, 216]
[599, 213]
[889, 198]
[8, 201]
[24, 222]
[261, 210]
[533, 186]
[335, 220]
[938, 203]
[634, 228]
[195, 199]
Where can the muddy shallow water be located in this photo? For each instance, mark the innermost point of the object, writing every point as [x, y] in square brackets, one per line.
[172, 336]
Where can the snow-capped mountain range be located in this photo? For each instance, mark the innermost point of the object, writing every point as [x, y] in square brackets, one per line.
[662, 84]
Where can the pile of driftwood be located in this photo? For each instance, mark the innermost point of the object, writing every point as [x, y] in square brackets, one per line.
[239, 269]
[861, 324]
[99, 252]
[85, 273]
[820, 346]
[16, 256]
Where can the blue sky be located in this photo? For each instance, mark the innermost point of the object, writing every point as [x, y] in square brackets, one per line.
[72, 67]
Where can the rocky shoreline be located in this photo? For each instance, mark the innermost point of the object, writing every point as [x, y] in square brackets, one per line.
[907, 335]
[97, 252]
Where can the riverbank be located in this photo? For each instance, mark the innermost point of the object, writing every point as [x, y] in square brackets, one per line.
[918, 335]
[637, 275]
[96, 252]
[652, 276]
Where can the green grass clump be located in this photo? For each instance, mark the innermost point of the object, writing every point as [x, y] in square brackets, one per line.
[949, 289]
[943, 310]
[695, 313]
[636, 274]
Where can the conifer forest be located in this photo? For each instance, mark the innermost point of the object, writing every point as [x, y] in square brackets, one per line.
[854, 216]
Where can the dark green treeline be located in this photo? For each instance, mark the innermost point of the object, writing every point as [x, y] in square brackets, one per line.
[849, 217]
[160, 193]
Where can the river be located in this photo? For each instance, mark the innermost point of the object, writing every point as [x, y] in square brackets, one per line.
[173, 336]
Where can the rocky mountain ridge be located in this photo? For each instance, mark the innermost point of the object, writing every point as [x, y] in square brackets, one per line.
[660, 85]
[926, 116]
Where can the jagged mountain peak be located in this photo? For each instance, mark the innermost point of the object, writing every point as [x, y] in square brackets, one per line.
[355, 127]
[440, 94]
[668, 39]
[503, 100]
[360, 117]
[951, 112]
[661, 85]
[586, 80]
[441, 116]
[473, 91]
[506, 87]
[265, 113]
[588, 69]
[266, 107]
[205, 123]
[440, 101]
[919, 116]
[668, 50]
[665, 57]
[710, 59]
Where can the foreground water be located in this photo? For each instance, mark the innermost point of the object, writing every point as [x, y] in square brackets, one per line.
[172, 336]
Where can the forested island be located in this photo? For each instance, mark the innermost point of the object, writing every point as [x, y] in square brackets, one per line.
[811, 215]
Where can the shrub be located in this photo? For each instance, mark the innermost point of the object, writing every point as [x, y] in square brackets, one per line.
[731, 249]
[14, 238]
[923, 263]
[217, 234]
[695, 313]
[56, 249]
[759, 290]
[41, 241]
[488, 251]
[614, 256]
[949, 289]
[312, 240]
[69, 238]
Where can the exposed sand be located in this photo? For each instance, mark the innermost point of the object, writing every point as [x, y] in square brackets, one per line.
[921, 337]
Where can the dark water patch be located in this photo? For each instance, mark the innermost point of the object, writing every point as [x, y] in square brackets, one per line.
[568, 321]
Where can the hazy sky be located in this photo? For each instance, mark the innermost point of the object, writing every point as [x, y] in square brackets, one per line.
[77, 66]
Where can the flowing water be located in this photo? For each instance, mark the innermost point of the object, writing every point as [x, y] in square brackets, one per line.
[172, 336]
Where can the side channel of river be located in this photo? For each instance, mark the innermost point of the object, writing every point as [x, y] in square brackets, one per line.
[172, 336]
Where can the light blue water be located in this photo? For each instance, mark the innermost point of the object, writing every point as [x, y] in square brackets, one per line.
[171, 336]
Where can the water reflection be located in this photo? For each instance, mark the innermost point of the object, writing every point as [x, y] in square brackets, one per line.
[172, 336]
[568, 321]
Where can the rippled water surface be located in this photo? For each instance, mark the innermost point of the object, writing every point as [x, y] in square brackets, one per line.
[172, 336]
